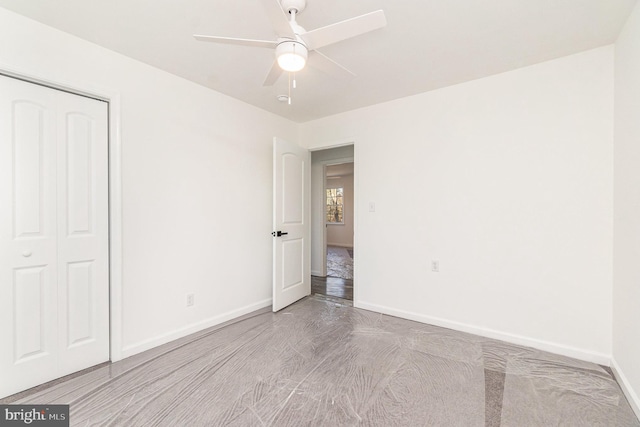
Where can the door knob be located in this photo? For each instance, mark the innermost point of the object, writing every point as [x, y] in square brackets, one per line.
[26, 254]
[278, 234]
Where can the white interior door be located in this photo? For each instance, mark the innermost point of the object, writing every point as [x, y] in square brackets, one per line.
[291, 223]
[54, 283]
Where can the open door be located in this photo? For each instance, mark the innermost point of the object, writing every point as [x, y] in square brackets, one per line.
[291, 223]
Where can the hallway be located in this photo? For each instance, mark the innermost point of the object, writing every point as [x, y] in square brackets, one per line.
[339, 280]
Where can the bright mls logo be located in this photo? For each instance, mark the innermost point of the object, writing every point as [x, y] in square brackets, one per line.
[34, 415]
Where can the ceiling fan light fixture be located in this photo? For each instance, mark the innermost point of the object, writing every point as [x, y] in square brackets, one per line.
[291, 62]
[291, 56]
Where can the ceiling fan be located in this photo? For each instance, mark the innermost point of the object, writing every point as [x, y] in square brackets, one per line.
[295, 45]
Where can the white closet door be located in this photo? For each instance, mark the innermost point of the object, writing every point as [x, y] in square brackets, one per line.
[53, 234]
[83, 229]
[28, 239]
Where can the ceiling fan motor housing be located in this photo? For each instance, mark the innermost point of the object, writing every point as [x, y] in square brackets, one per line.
[297, 5]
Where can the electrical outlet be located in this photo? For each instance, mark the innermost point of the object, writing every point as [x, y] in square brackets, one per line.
[190, 299]
[435, 266]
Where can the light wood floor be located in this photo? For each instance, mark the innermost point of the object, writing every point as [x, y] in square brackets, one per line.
[322, 363]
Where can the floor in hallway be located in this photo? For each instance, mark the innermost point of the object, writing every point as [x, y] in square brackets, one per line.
[340, 262]
[332, 286]
[323, 363]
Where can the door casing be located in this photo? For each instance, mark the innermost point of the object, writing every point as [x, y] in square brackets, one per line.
[324, 205]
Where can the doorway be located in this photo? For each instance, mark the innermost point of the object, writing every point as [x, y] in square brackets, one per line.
[333, 220]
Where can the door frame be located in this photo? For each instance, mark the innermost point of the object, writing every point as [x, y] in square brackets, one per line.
[112, 98]
[326, 163]
[356, 192]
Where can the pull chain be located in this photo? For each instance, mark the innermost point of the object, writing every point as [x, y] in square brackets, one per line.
[294, 52]
[289, 88]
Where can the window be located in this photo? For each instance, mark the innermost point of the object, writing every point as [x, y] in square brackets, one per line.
[335, 205]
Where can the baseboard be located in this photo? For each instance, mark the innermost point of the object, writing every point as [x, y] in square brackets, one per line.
[340, 245]
[632, 397]
[576, 353]
[150, 343]
[317, 273]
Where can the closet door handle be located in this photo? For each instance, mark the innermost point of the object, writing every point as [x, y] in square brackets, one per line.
[278, 234]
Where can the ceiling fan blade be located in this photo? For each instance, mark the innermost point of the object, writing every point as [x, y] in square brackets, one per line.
[279, 18]
[328, 65]
[232, 40]
[273, 75]
[343, 30]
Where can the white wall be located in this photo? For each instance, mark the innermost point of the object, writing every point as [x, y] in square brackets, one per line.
[507, 181]
[318, 160]
[191, 221]
[626, 252]
[342, 234]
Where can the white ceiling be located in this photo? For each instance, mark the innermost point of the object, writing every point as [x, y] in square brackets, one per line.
[427, 44]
